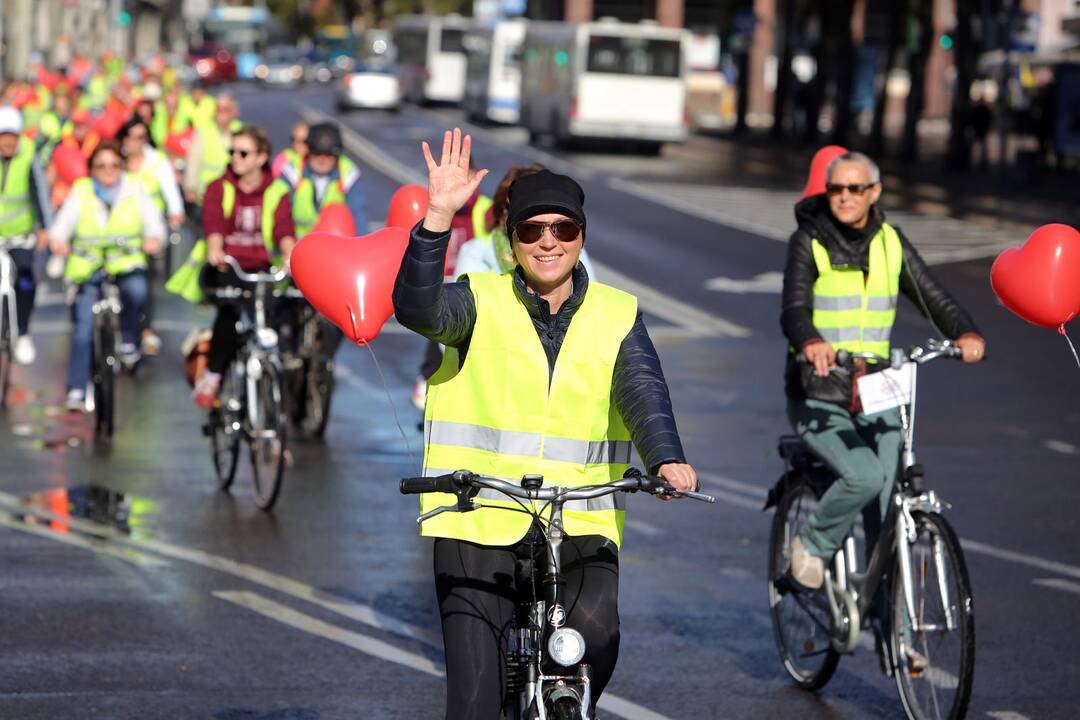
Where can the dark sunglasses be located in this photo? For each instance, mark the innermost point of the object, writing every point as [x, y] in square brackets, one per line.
[854, 189]
[300, 140]
[562, 230]
[240, 153]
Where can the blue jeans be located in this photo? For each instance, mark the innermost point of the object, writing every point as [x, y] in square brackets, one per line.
[133, 291]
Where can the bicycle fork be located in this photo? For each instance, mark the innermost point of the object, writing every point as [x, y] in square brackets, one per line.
[906, 535]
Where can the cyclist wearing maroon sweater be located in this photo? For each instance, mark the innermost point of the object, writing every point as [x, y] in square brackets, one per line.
[247, 215]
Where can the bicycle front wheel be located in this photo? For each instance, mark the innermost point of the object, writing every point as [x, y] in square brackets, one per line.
[104, 378]
[224, 428]
[943, 634]
[802, 622]
[268, 437]
[5, 350]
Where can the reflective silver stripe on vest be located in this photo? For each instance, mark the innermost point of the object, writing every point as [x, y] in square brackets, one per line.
[19, 242]
[852, 334]
[615, 501]
[481, 437]
[585, 452]
[837, 303]
[880, 303]
[13, 199]
[121, 240]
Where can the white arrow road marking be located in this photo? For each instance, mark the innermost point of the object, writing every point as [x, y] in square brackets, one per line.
[767, 282]
[1065, 448]
[307, 623]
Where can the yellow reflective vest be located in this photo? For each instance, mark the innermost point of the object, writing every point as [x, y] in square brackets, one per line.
[498, 415]
[115, 245]
[16, 206]
[305, 213]
[856, 312]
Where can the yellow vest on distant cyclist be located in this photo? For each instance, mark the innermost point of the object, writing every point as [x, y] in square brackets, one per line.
[116, 245]
[16, 206]
[479, 217]
[305, 214]
[185, 281]
[853, 312]
[498, 416]
[215, 153]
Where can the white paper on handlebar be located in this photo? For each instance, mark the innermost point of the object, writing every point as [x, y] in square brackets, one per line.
[886, 389]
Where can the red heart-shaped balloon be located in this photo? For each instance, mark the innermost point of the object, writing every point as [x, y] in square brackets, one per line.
[1040, 280]
[179, 144]
[407, 206]
[350, 280]
[336, 219]
[819, 166]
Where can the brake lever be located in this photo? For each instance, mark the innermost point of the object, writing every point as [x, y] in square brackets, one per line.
[446, 508]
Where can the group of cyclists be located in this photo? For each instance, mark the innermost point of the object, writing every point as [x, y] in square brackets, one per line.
[533, 366]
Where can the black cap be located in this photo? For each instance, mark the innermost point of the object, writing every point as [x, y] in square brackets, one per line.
[544, 192]
[324, 139]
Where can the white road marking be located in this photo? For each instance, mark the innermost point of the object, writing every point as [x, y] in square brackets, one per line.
[367, 645]
[654, 301]
[741, 489]
[60, 327]
[767, 282]
[624, 708]
[1006, 715]
[356, 611]
[100, 547]
[644, 528]
[1065, 448]
[1059, 584]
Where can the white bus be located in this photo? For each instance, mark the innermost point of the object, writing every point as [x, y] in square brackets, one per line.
[604, 80]
[431, 54]
[493, 72]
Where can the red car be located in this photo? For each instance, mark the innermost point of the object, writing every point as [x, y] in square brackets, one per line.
[213, 63]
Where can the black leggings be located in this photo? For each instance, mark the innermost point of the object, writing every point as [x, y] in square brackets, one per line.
[477, 591]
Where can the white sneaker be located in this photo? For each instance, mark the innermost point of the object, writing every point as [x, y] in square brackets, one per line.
[24, 350]
[808, 570]
[76, 400]
[129, 354]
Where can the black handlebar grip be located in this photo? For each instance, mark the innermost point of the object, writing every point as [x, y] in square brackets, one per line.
[417, 485]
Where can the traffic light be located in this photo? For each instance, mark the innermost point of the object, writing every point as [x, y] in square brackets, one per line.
[123, 19]
[946, 41]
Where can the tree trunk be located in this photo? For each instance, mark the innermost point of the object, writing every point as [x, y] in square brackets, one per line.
[844, 63]
[897, 17]
[918, 56]
[958, 155]
[786, 15]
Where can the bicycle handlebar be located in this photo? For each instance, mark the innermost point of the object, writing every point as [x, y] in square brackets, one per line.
[263, 277]
[463, 480]
[920, 354]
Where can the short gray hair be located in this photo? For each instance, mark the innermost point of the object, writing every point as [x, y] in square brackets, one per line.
[875, 171]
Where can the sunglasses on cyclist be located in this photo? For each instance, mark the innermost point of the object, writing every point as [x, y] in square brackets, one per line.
[529, 232]
[854, 188]
[240, 153]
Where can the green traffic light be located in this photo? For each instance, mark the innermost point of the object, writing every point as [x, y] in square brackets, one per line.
[562, 58]
[124, 18]
[946, 42]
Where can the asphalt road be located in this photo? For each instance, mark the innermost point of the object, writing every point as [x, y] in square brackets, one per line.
[133, 589]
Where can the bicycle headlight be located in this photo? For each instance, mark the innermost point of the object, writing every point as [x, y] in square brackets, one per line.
[566, 646]
[267, 338]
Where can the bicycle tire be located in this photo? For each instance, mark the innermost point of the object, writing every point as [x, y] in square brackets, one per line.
[224, 424]
[318, 389]
[268, 438]
[104, 377]
[923, 693]
[6, 350]
[564, 709]
[804, 645]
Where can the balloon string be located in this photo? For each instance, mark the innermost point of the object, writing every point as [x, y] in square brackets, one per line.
[1065, 335]
[390, 399]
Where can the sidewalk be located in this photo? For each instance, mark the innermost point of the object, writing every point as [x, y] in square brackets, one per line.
[753, 182]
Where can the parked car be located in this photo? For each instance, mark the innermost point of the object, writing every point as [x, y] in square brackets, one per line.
[370, 85]
[213, 63]
[281, 65]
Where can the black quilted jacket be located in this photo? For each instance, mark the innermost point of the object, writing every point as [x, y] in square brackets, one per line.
[446, 313]
[800, 272]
